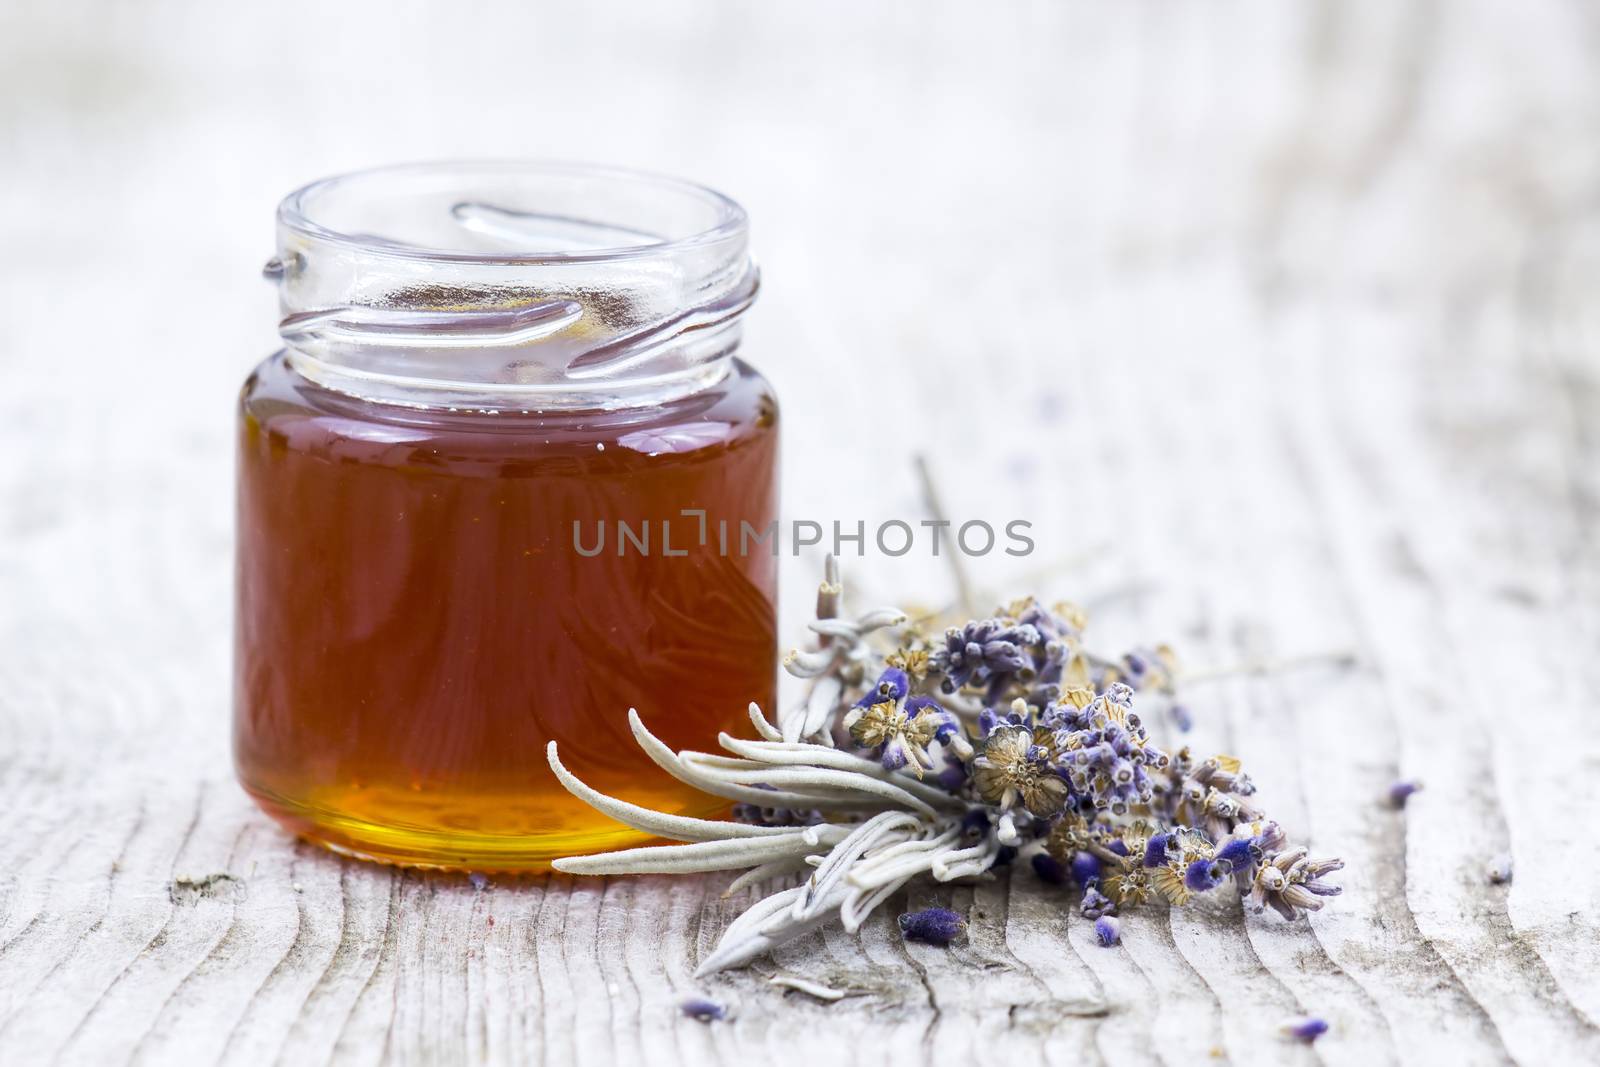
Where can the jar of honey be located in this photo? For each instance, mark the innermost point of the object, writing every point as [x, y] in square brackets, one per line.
[479, 497]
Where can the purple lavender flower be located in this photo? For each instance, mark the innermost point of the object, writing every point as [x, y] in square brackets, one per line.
[892, 685]
[1401, 791]
[1238, 852]
[1057, 767]
[1049, 869]
[1050, 625]
[1148, 669]
[899, 728]
[935, 926]
[1096, 904]
[985, 652]
[1085, 869]
[1156, 850]
[702, 1010]
[1181, 717]
[1305, 1028]
[1103, 750]
[1241, 853]
[1202, 876]
[1288, 880]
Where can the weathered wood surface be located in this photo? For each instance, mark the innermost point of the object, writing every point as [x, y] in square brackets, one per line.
[1285, 313]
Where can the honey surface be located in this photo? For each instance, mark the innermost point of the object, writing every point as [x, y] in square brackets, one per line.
[414, 622]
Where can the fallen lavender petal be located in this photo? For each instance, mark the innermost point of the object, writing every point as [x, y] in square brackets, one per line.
[935, 926]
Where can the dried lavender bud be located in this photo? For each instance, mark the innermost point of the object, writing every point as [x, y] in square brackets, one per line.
[1085, 869]
[986, 653]
[935, 926]
[1401, 791]
[1306, 1028]
[1287, 880]
[1049, 869]
[1202, 876]
[1156, 849]
[1238, 852]
[1181, 717]
[702, 1010]
[479, 880]
[1148, 669]
[1100, 749]
[1108, 929]
[1499, 869]
[898, 727]
[1096, 904]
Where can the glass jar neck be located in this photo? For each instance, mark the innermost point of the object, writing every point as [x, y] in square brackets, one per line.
[511, 286]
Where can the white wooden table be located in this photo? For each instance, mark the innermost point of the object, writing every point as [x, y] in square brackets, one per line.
[1282, 317]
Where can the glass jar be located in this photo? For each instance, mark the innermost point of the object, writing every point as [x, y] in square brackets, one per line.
[479, 498]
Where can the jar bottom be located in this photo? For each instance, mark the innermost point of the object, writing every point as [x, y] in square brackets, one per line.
[359, 831]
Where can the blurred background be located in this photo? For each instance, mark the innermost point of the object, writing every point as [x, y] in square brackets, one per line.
[1047, 244]
[1036, 242]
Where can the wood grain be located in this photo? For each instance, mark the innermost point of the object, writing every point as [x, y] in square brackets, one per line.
[1279, 317]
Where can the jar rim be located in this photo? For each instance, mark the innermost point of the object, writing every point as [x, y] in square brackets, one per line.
[489, 283]
[296, 212]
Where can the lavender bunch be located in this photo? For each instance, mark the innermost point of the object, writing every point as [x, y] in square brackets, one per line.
[918, 755]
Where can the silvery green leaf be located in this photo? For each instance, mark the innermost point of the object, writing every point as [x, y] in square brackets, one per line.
[676, 827]
[826, 877]
[730, 855]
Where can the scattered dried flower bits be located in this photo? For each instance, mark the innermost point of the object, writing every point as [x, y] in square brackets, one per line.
[702, 1010]
[1049, 869]
[1304, 1028]
[934, 926]
[1401, 791]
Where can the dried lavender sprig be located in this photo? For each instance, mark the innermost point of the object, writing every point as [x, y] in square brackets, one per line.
[842, 649]
[940, 761]
[958, 568]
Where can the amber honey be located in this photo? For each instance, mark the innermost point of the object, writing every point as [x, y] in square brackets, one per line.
[415, 620]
